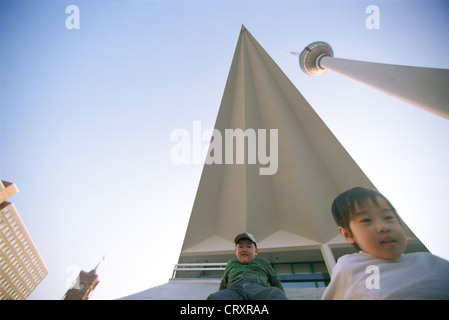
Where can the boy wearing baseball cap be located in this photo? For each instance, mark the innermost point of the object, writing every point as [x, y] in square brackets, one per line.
[248, 277]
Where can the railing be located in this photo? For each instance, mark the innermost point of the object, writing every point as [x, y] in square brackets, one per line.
[198, 267]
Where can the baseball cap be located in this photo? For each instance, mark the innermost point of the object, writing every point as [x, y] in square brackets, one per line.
[245, 235]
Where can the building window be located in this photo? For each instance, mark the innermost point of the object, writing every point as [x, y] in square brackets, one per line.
[302, 275]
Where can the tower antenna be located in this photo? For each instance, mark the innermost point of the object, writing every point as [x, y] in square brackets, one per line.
[102, 259]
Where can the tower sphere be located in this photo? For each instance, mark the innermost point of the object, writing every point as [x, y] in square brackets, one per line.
[309, 59]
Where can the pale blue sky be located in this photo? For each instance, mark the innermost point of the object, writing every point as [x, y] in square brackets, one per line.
[86, 117]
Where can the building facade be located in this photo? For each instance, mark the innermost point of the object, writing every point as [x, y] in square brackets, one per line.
[22, 268]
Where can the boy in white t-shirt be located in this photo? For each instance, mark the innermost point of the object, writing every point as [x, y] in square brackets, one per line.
[381, 270]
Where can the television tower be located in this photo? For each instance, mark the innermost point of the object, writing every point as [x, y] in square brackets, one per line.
[426, 88]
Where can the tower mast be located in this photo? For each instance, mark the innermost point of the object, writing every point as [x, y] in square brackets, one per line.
[426, 88]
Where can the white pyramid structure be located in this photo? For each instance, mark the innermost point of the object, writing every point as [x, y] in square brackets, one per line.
[288, 209]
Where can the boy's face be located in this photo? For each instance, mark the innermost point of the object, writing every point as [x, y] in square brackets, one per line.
[246, 251]
[376, 230]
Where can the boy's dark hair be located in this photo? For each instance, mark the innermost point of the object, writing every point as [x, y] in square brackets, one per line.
[343, 205]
